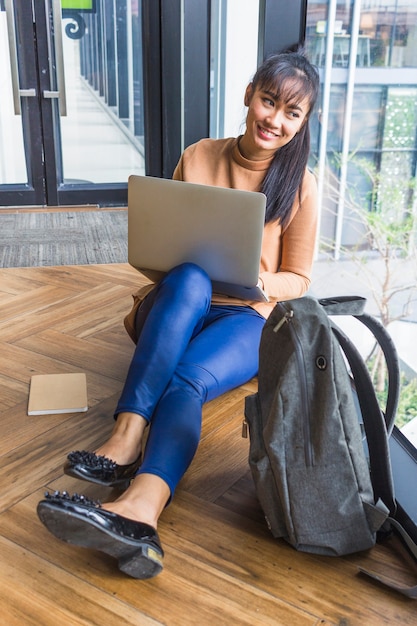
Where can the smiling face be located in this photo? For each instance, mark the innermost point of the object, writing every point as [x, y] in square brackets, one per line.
[272, 119]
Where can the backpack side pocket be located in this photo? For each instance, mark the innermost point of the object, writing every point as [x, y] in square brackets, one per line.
[263, 477]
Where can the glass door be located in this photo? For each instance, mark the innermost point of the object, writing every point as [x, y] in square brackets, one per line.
[71, 114]
[20, 179]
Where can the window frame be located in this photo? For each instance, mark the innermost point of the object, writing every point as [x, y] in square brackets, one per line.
[404, 473]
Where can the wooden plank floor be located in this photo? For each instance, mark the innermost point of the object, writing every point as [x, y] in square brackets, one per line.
[222, 566]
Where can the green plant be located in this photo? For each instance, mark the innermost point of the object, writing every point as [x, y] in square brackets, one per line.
[384, 217]
[385, 221]
[407, 406]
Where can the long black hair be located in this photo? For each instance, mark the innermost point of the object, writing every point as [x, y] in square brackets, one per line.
[292, 78]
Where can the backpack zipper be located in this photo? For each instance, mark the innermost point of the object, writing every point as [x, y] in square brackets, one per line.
[288, 315]
[302, 375]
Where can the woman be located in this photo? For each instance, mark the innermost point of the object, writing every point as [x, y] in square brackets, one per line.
[193, 345]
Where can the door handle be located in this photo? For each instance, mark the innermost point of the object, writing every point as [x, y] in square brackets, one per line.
[27, 93]
[59, 60]
[14, 67]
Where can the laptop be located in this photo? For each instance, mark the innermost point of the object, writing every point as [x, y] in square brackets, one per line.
[171, 222]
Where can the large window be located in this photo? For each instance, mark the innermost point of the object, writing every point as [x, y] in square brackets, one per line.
[386, 33]
[365, 155]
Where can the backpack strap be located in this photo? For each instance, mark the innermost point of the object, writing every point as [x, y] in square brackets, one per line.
[391, 358]
[343, 305]
[354, 305]
[410, 592]
[378, 425]
[374, 423]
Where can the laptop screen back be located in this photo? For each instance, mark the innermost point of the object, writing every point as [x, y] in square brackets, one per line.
[171, 222]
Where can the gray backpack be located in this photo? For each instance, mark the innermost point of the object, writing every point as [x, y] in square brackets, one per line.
[317, 433]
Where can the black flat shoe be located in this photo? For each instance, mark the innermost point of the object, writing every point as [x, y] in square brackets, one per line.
[100, 470]
[82, 522]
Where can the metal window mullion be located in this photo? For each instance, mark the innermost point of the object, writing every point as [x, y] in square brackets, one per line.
[325, 110]
[182, 63]
[347, 127]
[413, 241]
[130, 81]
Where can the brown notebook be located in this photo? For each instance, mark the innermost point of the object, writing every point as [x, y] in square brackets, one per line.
[57, 393]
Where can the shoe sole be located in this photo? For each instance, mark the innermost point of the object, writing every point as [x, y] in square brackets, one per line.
[137, 559]
[120, 484]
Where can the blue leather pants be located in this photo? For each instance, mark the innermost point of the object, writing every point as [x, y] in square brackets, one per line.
[188, 352]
